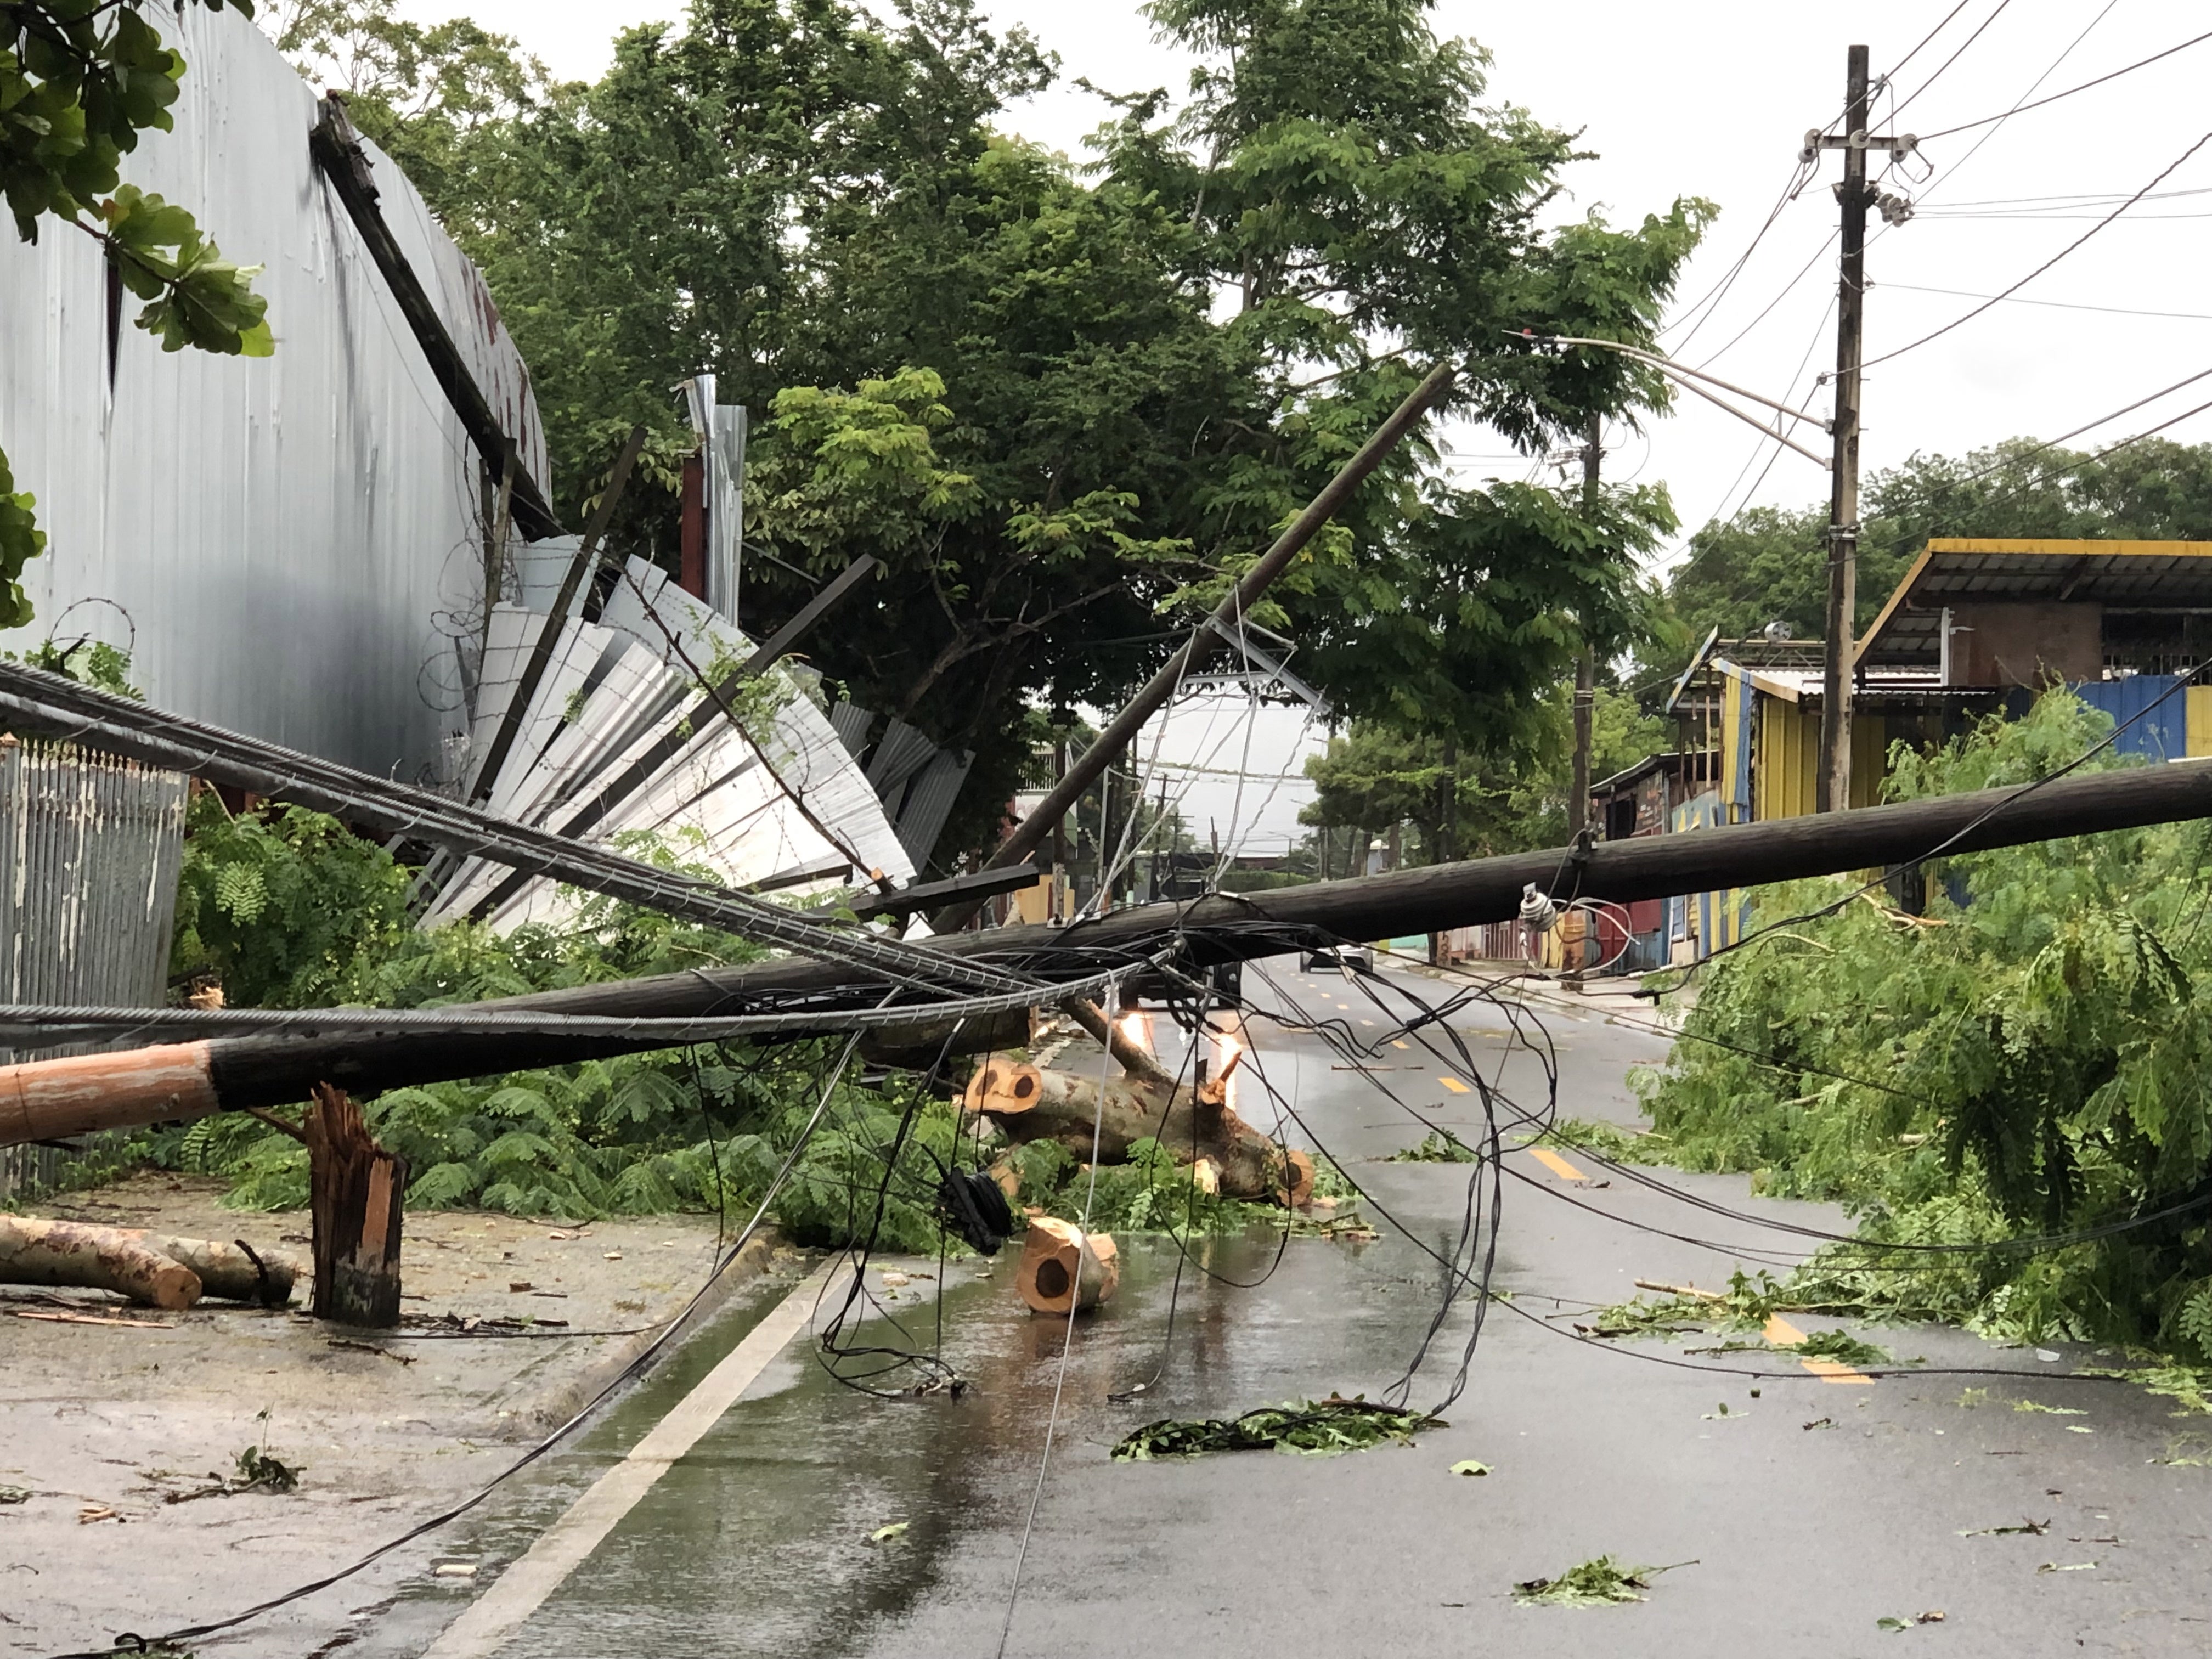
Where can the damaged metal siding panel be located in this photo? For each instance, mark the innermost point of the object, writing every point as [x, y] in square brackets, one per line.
[293, 539]
[90, 847]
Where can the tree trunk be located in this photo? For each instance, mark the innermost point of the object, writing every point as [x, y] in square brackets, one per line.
[355, 1188]
[1032, 1102]
[235, 1272]
[119, 1259]
[1062, 1266]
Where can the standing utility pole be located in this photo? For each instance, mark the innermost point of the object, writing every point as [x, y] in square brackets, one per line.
[1852, 196]
[1586, 661]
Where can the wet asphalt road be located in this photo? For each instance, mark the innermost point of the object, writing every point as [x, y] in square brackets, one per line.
[1803, 1515]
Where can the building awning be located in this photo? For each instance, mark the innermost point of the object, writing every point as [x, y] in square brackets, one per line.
[1958, 571]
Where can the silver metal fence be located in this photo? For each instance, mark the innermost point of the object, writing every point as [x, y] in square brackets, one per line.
[90, 847]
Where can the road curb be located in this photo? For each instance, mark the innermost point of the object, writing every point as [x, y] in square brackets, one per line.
[559, 1402]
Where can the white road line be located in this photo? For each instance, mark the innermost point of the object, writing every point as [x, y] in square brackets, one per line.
[519, 1591]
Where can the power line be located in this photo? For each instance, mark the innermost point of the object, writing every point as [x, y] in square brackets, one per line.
[1967, 126]
[2055, 305]
[1939, 29]
[1899, 109]
[2164, 174]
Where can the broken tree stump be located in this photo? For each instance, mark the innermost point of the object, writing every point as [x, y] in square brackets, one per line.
[355, 1188]
[1062, 1266]
[1032, 1102]
[80, 1257]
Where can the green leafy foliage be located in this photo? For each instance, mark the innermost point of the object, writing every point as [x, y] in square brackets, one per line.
[79, 83]
[2033, 1062]
[1596, 1584]
[194, 296]
[88, 661]
[1313, 1427]
[285, 909]
[21, 542]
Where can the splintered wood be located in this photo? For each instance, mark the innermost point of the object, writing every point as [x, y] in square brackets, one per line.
[1063, 1267]
[355, 1187]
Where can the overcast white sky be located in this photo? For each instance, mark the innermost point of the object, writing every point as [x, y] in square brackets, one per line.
[1712, 98]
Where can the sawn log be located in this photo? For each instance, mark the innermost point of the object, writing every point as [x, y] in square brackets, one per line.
[1031, 1104]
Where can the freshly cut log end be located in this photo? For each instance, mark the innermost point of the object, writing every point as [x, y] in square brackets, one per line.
[1002, 1087]
[1062, 1266]
[70, 1253]
[1294, 1181]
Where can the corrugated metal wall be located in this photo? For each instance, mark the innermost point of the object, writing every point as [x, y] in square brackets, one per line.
[2160, 729]
[293, 538]
[89, 849]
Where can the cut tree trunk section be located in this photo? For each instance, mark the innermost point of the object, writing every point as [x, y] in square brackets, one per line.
[355, 1188]
[1063, 1267]
[72, 1255]
[1032, 1102]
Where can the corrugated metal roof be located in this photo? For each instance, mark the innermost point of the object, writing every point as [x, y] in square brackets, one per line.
[294, 540]
[1957, 571]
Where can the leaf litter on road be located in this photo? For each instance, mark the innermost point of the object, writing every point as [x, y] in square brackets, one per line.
[1594, 1584]
[1313, 1427]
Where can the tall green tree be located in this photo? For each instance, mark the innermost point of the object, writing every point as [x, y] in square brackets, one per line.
[1065, 407]
[80, 81]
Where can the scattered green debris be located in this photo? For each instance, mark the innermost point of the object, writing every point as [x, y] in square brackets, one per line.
[1845, 1349]
[1315, 1427]
[2078, 1428]
[1894, 1624]
[15, 1494]
[1612, 1141]
[2048, 1410]
[2186, 1451]
[1971, 1398]
[1594, 1583]
[2031, 1528]
[1440, 1148]
[1820, 1423]
[1469, 1466]
[2077, 1566]
[1724, 1410]
[885, 1534]
[2189, 1386]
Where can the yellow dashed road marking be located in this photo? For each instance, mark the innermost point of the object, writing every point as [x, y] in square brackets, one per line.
[1454, 1085]
[1782, 1335]
[1557, 1165]
[1395, 1044]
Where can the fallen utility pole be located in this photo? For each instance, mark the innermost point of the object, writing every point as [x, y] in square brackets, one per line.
[47, 1099]
[336, 148]
[1225, 625]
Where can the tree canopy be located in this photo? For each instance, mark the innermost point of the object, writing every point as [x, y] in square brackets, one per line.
[1063, 404]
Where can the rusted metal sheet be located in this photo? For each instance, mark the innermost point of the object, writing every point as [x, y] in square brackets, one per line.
[90, 846]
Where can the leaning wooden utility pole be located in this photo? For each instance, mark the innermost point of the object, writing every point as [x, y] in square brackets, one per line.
[1586, 659]
[1833, 789]
[1225, 625]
